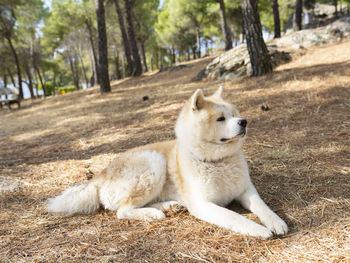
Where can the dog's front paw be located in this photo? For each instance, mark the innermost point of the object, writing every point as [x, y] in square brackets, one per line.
[276, 225]
[261, 231]
[256, 230]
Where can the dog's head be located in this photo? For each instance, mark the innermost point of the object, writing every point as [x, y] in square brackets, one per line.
[210, 126]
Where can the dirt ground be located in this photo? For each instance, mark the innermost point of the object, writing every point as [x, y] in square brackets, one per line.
[298, 153]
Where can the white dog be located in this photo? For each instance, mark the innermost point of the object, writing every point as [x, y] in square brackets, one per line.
[203, 170]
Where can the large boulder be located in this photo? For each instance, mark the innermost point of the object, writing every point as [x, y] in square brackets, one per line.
[236, 63]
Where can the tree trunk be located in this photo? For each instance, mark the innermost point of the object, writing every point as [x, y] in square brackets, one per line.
[92, 68]
[5, 81]
[29, 75]
[92, 45]
[137, 70]
[193, 52]
[17, 66]
[102, 48]
[126, 44]
[76, 69]
[151, 62]
[54, 84]
[297, 17]
[41, 81]
[143, 53]
[123, 66]
[117, 65]
[11, 77]
[276, 19]
[199, 42]
[259, 56]
[74, 75]
[83, 70]
[335, 3]
[224, 27]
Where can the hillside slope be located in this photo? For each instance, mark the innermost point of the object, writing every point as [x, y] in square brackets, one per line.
[298, 153]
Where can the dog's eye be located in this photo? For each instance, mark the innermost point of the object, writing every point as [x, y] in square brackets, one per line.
[221, 119]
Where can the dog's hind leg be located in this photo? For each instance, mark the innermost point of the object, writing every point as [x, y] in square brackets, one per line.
[142, 182]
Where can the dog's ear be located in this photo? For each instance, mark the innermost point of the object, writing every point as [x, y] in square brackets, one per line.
[197, 100]
[218, 92]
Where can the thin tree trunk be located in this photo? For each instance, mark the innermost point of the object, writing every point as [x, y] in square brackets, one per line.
[74, 75]
[11, 77]
[41, 81]
[193, 52]
[137, 70]
[259, 56]
[335, 3]
[224, 27]
[29, 75]
[151, 62]
[102, 48]
[117, 65]
[276, 19]
[76, 69]
[297, 17]
[83, 68]
[17, 66]
[198, 42]
[123, 66]
[5, 81]
[126, 44]
[143, 53]
[92, 68]
[54, 84]
[92, 45]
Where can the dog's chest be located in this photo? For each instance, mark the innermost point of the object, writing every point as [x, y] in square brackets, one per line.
[221, 182]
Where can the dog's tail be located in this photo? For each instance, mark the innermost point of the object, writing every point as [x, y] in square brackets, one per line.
[80, 199]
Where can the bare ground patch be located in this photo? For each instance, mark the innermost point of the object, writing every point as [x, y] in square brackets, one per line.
[298, 154]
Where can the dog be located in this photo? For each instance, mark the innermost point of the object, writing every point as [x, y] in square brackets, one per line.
[202, 170]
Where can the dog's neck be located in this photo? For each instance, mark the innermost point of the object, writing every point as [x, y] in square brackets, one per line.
[209, 153]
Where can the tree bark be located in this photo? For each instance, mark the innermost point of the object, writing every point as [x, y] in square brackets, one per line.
[137, 70]
[117, 64]
[259, 56]
[198, 42]
[11, 77]
[276, 19]
[102, 48]
[54, 84]
[143, 53]
[17, 66]
[297, 17]
[123, 66]
[72, 68]
[41, 81]
[92, 45]
[83, 67]
[126, 44]
[335, 3]
[76, 69]
[224, 27]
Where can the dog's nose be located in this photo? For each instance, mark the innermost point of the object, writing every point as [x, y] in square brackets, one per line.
[242, 122]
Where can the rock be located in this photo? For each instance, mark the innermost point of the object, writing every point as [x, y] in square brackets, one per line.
[235, 63]
[173, 68]
[334, 32]
[144, 98]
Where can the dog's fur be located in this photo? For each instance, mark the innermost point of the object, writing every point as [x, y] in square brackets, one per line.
[203, 170]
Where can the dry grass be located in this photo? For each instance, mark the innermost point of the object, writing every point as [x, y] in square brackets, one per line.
[298, 154]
